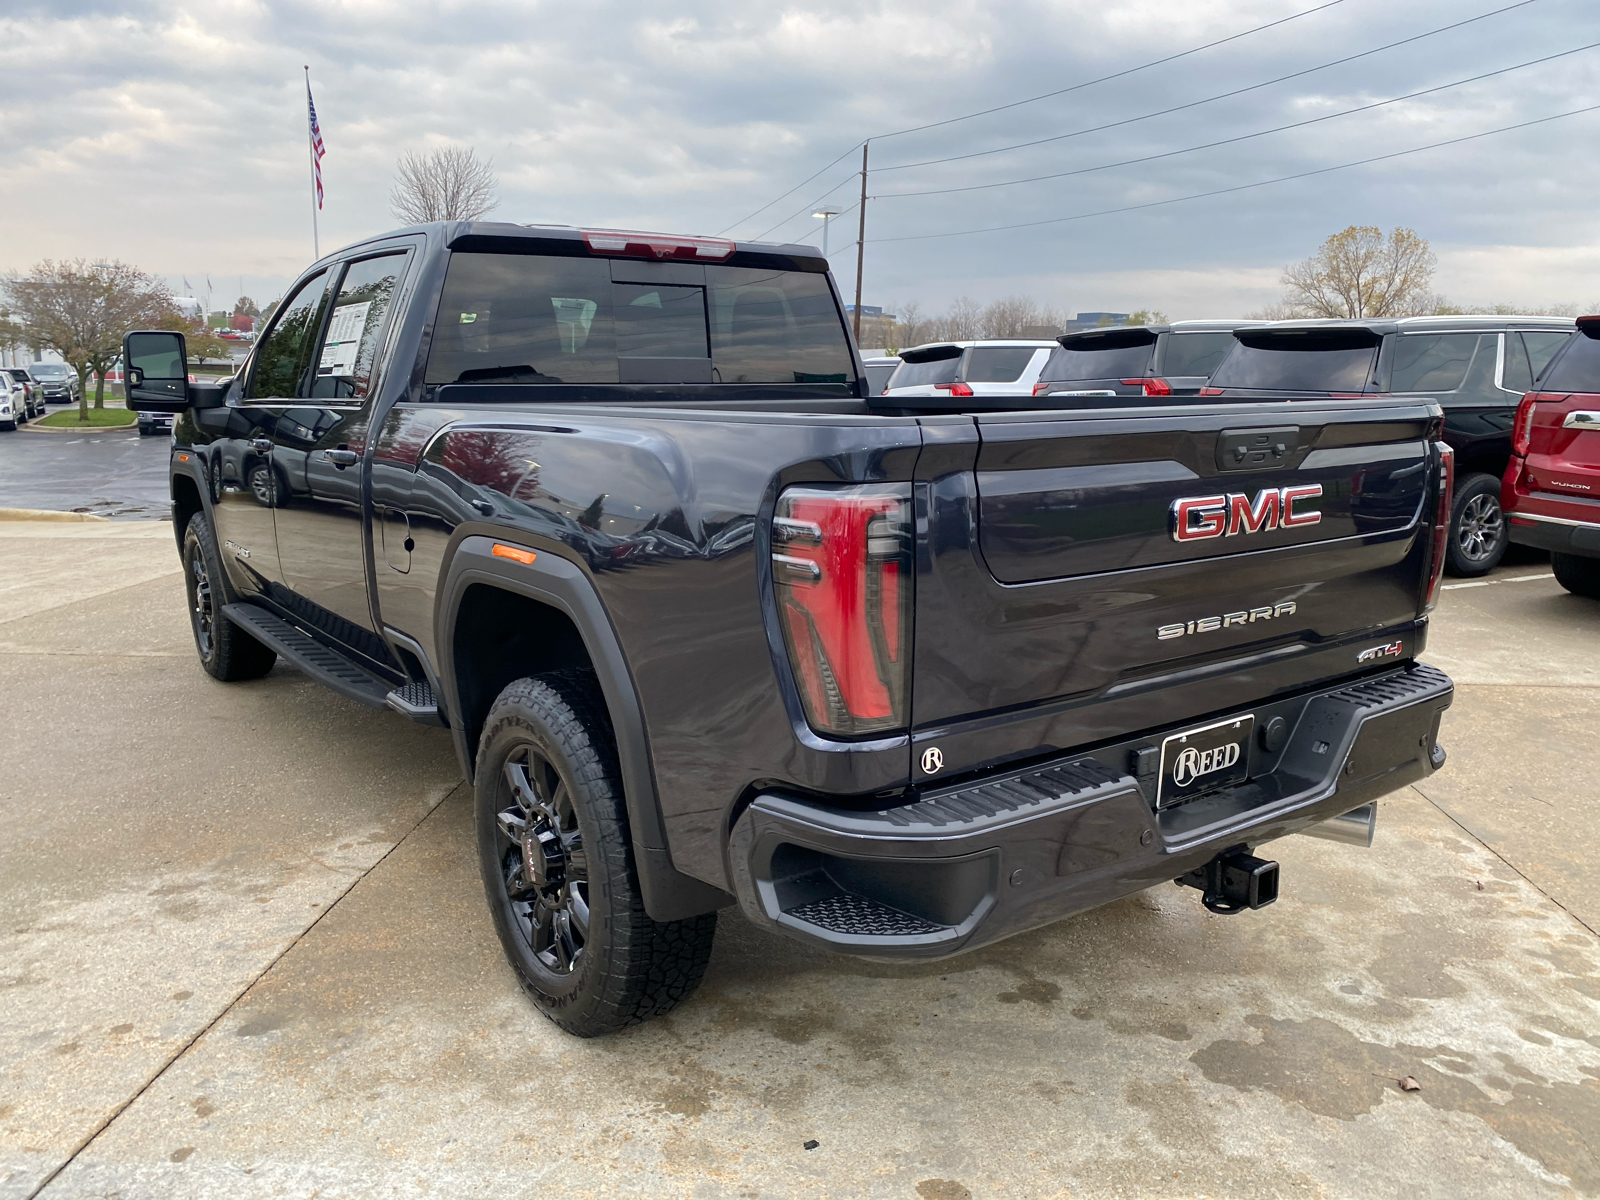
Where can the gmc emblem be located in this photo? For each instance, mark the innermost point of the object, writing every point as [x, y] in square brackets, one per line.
[1196, 518]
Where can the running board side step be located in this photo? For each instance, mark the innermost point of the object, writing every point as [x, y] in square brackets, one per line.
[416, 701]
[324, 664]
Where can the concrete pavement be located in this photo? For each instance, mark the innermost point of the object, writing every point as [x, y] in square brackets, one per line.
[248, 955]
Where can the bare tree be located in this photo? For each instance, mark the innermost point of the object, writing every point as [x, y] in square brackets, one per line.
[1359, 272]
[964, 321]
[448, 184]
[81, 310]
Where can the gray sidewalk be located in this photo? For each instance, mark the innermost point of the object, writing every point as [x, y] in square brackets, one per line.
[248, 955]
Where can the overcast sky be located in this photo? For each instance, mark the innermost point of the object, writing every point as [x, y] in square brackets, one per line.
[173, 135]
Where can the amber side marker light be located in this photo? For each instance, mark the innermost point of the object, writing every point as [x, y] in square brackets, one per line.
[515, 553]
[183, 458]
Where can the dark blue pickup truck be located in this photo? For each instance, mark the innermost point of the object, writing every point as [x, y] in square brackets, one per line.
[711, 624]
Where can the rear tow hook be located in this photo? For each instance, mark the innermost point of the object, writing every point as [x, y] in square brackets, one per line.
[1231, 883]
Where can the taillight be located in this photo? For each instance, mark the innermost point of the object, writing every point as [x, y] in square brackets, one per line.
[1210, 391]
[955, 389]
[841, 560]
[1522, 427]
[1040, 389]
[656, 245]
[1441, 521]
[1152, 387]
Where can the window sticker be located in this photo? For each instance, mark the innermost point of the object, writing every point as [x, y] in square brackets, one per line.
[344, 339]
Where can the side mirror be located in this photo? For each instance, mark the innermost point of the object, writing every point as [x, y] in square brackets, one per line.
[155, 371]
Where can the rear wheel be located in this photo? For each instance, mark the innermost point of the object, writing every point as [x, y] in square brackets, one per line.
[226, 652]
[558, 869]
[1478, 533]
[1580, 576]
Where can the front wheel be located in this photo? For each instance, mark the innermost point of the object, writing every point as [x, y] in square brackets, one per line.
[1579, 575]
[226, 652]
[558, 869]
[1478, 533]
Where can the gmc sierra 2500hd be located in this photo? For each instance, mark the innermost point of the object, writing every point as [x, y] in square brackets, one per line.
[710, 624]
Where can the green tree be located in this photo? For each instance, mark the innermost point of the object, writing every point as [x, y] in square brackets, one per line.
[1361, 272]
[81, 310]
[244, 306]
[1147, 316]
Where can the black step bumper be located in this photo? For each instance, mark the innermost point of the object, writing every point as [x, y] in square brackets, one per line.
[966, 865]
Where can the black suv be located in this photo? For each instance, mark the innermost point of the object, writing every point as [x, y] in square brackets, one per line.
[1135, 360]
[1477, 368]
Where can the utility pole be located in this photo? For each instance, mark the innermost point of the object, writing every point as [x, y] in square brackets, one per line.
[861, 240]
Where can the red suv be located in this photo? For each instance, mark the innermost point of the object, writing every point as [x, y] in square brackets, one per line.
[1551, 490]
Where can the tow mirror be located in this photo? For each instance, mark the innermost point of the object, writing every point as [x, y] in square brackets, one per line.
[156, 374]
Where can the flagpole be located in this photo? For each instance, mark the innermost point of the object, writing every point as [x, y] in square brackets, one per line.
[311, 155]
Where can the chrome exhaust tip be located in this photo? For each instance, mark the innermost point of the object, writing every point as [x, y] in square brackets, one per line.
[1354, 828]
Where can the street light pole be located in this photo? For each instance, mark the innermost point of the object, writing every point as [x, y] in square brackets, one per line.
[861, 240]
[826, 215]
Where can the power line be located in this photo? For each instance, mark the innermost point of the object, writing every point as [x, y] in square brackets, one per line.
[1244, 137]
[1033, 99]
[1106, 212]
[1107, 78]
[1211, 99]
[808, 207]
[791, 192]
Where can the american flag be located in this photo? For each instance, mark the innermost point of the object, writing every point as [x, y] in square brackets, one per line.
[316, 144]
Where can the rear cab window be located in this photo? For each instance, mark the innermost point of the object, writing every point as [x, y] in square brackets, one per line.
[538, 319]
[1115, 354]
[1300, 361]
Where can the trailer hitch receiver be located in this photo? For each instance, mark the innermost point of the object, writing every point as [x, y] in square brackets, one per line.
[1233, 882]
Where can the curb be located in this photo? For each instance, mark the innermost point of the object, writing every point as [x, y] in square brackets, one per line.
[32, 427]
[46, 514]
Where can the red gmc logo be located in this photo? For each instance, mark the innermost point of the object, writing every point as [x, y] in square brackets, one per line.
[1196, 518]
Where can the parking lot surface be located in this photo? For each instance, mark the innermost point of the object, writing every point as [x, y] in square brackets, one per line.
[112, 472]
[247, 954]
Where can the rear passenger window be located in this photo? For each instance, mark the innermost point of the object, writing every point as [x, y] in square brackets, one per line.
[360, 312]
[1433, 362]
[997, 364]
[1577, 369]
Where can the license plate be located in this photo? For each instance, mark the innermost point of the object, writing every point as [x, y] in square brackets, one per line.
[1202, 760]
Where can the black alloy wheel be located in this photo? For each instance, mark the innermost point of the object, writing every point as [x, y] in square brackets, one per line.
[1478, 532]
[542, 862]
[558, 869]
[226, 652]
[202, 604]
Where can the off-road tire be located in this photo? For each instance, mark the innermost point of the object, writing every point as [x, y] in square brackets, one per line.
[226, 652]
[1479, 534]
[630, 968]
[1579, 575]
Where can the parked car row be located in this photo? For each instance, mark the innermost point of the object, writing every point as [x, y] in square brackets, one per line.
[1477, 368]
[1551, 488]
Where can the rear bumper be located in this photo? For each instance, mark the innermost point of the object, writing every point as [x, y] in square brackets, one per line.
[967, 865]
[1561, 535]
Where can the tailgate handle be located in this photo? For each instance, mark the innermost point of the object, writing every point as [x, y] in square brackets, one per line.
[1256, 449]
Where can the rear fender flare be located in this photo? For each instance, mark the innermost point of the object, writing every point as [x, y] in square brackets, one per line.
[557, 581]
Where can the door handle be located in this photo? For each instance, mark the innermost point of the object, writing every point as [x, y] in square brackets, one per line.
[341, 458]
[262, 444]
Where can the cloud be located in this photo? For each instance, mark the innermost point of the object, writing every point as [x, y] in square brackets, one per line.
[173, 134]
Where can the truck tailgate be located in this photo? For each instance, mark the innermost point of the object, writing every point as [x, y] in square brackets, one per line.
[1085, 574]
